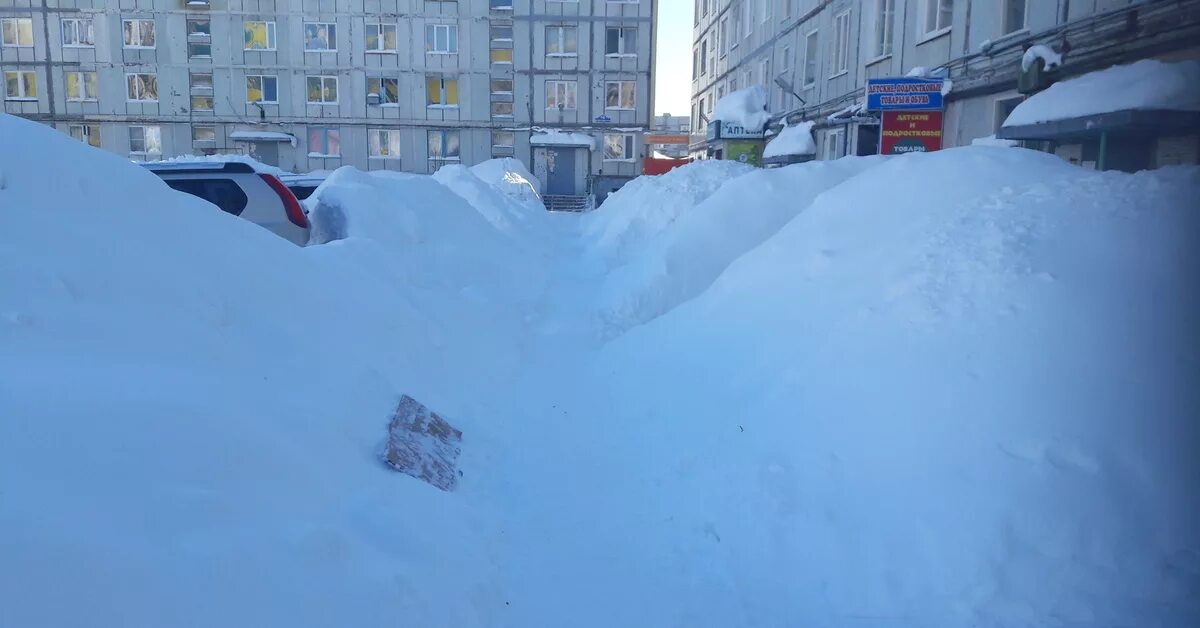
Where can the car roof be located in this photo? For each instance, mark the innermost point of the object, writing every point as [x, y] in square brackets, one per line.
[196, 167]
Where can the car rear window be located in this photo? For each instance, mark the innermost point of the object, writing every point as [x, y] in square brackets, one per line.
[220, 192]
[302, 191]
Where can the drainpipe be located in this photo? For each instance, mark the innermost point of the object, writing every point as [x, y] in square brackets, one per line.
[1102, 158]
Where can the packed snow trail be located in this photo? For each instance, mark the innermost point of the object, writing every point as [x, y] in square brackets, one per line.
[876, 401]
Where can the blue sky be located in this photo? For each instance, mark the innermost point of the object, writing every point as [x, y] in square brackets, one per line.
[673, 65]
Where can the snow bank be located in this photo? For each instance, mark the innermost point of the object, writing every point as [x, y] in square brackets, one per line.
[1144, 85]
[646, 206]
[681, 260]
[915, 405]
[511, 176]
[795, 139]
[992, 140]
[495, 203]
[746, 108]
[191, 411]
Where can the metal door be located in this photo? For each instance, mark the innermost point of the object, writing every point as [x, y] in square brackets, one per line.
[266, 152]
[560, 171]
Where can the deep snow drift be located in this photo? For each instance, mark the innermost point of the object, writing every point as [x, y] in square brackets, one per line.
[942, 389]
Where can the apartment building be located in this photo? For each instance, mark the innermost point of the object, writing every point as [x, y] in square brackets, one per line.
[815, 56]
[405, 85]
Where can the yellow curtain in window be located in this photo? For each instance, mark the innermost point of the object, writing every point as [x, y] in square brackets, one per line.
[451, 91]
[502, 56]
[256, 35]
[433, 91]
[73, 85]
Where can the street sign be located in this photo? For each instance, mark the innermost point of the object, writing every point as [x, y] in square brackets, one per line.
[603, 118]
[910, 132]
[904, 93]
[722, 130]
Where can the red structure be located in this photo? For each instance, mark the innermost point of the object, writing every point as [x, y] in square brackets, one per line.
[659, 166]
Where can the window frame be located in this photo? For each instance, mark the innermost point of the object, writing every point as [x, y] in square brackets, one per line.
[924, 33]
[434, 28]
[321, 78]
[86, 134]
[813, 51]
[621, 95]
[492, 56]
[82, 83]
[383, 82]
[390, 134]
[205, 142]
[622, 51]
[567, 86]
[511, 134]
[492, 86]
[997, 105]
[262, 88]
[145, 143]
[128, 86]
[1004, 15]
[330, 36]
[629, 148]
[501, 114]
[883, 42]
[704, 57]
[380, 38]
[841, 45]
[201, 91]
[23, 94]
[76, 22]
[445, 134]
[723, 37]
[269, 28]
[141, 20]
[834, 139]
[325, 135]
[562, 41]
[443, 92]
[17, 21]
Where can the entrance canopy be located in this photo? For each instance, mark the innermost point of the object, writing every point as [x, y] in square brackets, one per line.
[562, 138]
[262, 136]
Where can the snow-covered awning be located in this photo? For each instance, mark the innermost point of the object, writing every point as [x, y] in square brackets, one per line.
[795, 139]
[554, 137]
[746, 108]
[262, 136]
[1147, 94]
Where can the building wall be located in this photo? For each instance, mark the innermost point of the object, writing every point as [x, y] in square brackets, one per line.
[474, 117]
[776, 42]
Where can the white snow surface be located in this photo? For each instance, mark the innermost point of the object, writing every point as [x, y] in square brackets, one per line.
[556, 137]
[1148, 84]
[992, 140]
[1049, 58]
[794, 139]
[745, 107]
[840, 396]
[510, 175]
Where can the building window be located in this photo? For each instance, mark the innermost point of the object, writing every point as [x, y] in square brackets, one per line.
[441, 38]
[1004, 107]
[16, 31]
[387, 90]
[747, 19]
[810, 58]
[618, 147]
[722, 32]
[442, 91]
[502, 55]
[695, 63]
[21, 85]
[500, 32]
[320, 37]
[703, 57]
[936, 16]
[502, 86]
[204, 135]
[78, 33]
[619, 95]
[561, 94]
[259, 35]
[503, 140]
[501, 5]
[502, 110]
[704, 5]
[443, 145]
[324, 142]
[764, 69]
[199, 39]
[833, 143]
[1014, 15]
[143, 87]
[381, 38]
[841, 43]
[787, 9]
[383, 143]
[201, 91]
[262, 89]
[86, 133]
[620, 41]
[562, 41]
[81, 86]
[145, 140]
[322, 90]
[139, 33]
[885, 23]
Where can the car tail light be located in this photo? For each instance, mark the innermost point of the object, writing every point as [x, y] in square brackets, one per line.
[295, 212]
